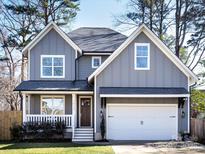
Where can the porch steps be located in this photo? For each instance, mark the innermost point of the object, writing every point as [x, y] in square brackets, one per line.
[83, 134]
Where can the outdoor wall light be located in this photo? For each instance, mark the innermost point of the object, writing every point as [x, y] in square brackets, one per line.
[182, 114]
[101, 113]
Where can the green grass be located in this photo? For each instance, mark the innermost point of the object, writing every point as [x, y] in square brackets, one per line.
[53, 148]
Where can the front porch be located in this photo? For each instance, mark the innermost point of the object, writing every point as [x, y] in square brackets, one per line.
[73, 110]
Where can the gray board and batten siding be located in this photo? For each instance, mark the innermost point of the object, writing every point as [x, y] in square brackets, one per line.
[121, 73]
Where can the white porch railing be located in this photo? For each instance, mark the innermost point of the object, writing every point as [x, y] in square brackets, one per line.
[36, 118]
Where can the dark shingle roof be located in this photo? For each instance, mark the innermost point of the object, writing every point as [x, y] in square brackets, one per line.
[91, 39]
[54, 85]
[142, 90]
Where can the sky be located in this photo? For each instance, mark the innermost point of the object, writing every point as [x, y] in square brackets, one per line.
[99, 13]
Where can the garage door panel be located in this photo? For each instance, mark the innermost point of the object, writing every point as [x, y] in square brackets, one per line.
[135, 122]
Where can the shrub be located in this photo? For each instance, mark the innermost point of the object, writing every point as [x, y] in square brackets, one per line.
[43, 130]
[60, 126]
[16, 132]
[102, 128]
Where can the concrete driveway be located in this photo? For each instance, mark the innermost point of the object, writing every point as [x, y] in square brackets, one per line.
[170, 147]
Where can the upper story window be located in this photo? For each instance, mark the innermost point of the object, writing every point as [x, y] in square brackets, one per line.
[142, 56]
[96, 62]
[52, 66]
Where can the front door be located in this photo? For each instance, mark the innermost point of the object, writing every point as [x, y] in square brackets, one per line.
[85, 112]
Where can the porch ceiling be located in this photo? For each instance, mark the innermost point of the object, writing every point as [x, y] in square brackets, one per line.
[54, 85]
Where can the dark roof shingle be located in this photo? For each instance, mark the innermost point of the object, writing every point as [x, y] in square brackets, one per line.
[54, 85]
[91, 39]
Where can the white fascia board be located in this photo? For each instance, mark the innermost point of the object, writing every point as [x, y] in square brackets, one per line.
[115, 53]
[144, 95]
[39, 36]
[50, 26]
[57, 92]
[170, 54]
[158, 43]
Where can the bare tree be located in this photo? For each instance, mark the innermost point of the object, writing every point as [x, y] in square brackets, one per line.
[20, 22]
[9, 76]
[154, 13]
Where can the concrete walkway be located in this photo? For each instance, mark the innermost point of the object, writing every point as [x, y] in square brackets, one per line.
[158, 148]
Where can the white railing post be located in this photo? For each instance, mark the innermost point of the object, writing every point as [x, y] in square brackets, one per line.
[74, 105]
[24, 107]
[50, 118]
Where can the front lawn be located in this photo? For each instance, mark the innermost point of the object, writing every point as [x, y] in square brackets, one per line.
[53, 148]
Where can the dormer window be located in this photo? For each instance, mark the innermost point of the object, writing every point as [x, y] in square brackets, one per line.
[52, 66]
[142, 56]
[96, 62]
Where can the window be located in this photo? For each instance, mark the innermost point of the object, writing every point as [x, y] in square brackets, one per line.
[52, 66]
[96, 62]
[52, 105]
[142, 59]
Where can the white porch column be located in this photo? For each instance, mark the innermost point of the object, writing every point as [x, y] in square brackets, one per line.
[24, 107]
[74, 112]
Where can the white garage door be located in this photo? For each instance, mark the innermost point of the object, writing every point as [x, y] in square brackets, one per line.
[142, 122]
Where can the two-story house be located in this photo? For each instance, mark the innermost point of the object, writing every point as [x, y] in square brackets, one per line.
[136, 83]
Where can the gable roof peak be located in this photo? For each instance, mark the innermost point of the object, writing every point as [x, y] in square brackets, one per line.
[160, 44]
[44, 31]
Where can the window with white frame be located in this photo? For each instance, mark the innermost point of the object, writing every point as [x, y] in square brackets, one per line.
[52, 66]
[96, 62]
[142, 56]
[52, 105]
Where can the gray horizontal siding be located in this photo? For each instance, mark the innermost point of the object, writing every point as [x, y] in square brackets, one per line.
[52, 44]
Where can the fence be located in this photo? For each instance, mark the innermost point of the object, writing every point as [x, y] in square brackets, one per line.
[198, 129]
[7, 119]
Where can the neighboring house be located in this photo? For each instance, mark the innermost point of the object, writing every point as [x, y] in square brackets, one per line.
[135, 82]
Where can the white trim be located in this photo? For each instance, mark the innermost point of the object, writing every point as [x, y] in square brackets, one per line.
[137, 104]
[53, 96]
[150, 105]
[157, 42]
[92, 62]
[29, 65]
[144, 95]
[188, 109]
[29, 104]
[148, 56]
[177, 122]
[95, 108]
[24, 107]
[74, 113]
[79, 111]
[52, 56]
[106, 121]
[95, 53]
[57, 92]
[50, 26]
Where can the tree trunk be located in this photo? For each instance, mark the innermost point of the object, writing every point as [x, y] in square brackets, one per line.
[22, 69]
[161, 19]
[177, 22]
